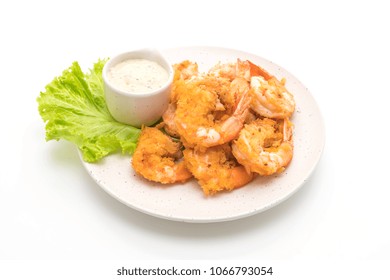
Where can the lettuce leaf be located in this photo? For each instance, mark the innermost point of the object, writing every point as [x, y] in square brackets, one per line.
[74, 109]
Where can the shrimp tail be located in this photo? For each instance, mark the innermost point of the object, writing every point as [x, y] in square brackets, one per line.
[241, 176]
[247, 69]
[256, 70]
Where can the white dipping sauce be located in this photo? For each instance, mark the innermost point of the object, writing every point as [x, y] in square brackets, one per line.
[137, 75]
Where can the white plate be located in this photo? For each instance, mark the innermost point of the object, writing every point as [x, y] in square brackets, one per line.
[186, 202]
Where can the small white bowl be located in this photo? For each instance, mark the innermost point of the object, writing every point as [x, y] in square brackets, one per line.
[137, 109]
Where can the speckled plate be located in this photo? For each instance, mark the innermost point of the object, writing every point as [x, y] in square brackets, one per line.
[186, 202]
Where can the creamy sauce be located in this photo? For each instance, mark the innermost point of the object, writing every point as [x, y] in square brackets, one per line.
[137, 75]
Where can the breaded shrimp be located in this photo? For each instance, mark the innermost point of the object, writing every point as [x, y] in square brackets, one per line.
[216, 170]
[271, 99]
[264, 146]
[202, 119]
[156, 155]
[183, 71]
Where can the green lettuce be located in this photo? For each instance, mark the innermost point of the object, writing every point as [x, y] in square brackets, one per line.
[74, 109]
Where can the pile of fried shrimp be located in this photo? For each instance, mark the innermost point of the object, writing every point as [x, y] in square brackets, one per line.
[223, 127]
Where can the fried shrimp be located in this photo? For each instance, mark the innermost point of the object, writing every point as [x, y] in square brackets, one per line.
[156, 155]
[208, 123]
[183, 71]
[232, 122]
[264, 146]
[216, 169]
[271, 99]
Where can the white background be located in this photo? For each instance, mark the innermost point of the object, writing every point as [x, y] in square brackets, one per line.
[51, 209]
